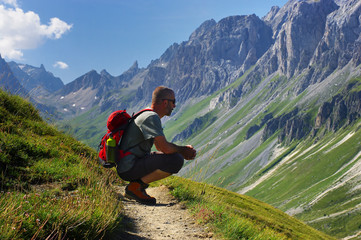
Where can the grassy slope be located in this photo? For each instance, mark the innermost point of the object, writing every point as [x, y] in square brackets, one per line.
[88, 127]
[328, 163]
[51, 185]
[236, 216]
[296, 183]
[312, 170]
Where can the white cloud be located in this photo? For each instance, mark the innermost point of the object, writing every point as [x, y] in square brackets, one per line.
[21, 30]
[61, 65]
[10, 2]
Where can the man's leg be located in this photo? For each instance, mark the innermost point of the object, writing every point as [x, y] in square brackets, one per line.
[136, 189]
[161, 166]
[155, 176]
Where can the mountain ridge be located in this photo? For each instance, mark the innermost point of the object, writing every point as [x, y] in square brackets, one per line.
[252, 94]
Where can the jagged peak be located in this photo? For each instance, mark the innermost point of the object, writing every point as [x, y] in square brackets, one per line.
[271, 14]
[204, 27]
[104, 72]
[134, 66]
[91, 72]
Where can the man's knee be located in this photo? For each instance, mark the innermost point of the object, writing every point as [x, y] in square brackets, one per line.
[174, 163]
[179, 159]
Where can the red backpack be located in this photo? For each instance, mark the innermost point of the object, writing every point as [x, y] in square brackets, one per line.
[117, 124]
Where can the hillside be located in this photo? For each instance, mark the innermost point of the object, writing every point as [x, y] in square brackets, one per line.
[272, 105]
[52, 187]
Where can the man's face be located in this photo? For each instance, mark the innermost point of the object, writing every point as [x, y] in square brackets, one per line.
[170, 104]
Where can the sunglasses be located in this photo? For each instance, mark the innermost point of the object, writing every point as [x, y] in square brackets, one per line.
[171, 100]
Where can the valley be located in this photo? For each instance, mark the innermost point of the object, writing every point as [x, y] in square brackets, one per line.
[272, 104]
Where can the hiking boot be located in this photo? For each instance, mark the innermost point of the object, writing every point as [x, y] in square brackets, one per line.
[136, 191]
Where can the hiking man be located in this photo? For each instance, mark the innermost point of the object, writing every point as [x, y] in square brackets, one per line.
[143, 166]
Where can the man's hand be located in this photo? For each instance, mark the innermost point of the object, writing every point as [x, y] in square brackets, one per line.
[161, 143]
[189, 153]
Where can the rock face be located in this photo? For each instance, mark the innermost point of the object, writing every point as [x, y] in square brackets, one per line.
[342, 109]
[340, 44]
[275, 124]
[214, 56]
[297, 28]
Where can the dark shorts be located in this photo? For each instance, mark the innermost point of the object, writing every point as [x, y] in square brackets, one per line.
[170, 163]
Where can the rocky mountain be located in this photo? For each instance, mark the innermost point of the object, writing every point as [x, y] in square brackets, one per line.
[94, 89]
[214, 56]
[272, 104]
[37, 81]
[9, 82]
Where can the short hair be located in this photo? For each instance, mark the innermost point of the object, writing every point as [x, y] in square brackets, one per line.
[161, 93]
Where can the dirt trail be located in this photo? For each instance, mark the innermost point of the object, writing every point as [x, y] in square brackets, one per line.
[169, 219]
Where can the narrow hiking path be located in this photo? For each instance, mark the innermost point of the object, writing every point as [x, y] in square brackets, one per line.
[169, 219]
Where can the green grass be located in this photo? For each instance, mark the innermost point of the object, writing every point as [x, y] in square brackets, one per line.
[88, 127]
[51, 184]
[235, 216]
[236, 170]
[52, 187]
[310, 172]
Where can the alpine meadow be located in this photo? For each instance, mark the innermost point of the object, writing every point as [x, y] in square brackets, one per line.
[272, 104]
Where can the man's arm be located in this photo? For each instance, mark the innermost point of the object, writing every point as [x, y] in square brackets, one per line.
[161, 143]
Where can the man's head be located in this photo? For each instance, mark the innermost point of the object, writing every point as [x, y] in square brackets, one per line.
[163, 101]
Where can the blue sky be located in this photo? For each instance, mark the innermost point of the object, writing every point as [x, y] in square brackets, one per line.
[72, 37]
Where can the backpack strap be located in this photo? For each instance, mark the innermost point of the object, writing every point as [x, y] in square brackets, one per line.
[134, 116]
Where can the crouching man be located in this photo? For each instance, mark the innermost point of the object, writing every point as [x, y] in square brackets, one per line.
[143, 166]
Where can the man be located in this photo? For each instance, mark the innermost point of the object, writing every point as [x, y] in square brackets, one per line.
[143, 167]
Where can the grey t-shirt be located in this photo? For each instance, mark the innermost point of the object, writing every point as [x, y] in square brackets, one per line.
[139, 138]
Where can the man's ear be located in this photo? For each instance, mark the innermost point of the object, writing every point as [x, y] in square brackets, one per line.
[164, 102]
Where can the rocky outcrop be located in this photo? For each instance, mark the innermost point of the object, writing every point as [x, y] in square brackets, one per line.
[341, 110]
[291, 126]
[278, 123]
[253, 129]
[227, 99]
[294, 129]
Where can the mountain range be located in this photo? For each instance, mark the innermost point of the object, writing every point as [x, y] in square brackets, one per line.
[272, 104]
